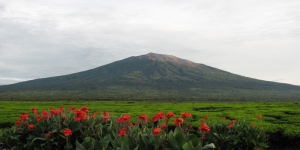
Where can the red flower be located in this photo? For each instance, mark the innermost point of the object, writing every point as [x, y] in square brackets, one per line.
[55, 111]
[156, 131]
[170, 114]
[204, 127]
[80, 115]
[105, 118]
[185, 115]
[34, 110]
[93, 115]
[178, 121]
[252, 124]
[45, 113]
[230, 125]
[38, 118]
[122, 132]
[24, 116]
[155, 118]
[67, 132]
[259, 116]
[84, 109]
[18, 122]
[48, 135]
[105, 113]
[224, 118]
[61, 109]
[31, 126]
[125, 118]
[143, 117]
[159, 115]
[72, 108]
[163, 125]
[206, 117]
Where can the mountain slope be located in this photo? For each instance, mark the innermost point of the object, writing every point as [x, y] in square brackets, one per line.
[151, 76]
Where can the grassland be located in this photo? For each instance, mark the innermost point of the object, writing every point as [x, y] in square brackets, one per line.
[277, 116]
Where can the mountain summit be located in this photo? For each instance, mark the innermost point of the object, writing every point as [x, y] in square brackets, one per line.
[150, 76]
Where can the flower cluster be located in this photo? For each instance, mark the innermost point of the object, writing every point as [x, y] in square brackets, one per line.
[78, 127]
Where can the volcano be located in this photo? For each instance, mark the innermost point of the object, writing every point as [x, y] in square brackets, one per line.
[150, 77]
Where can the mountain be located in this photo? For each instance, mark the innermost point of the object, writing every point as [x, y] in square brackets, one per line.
[151, 76]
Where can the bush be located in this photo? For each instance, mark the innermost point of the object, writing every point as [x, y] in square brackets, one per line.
[79, 129]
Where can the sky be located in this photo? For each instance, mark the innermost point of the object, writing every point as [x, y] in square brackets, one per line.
[252, 38]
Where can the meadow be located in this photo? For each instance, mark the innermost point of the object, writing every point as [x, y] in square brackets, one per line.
[278, 118]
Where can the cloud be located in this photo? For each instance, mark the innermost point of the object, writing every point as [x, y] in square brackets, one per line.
[252, 38]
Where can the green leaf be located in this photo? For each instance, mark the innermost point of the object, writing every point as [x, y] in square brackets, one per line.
[125, 145]
[180, 140]
[195, 140]
[106, 139]
[264, 145]
[187, 146]
[91, 122]
[43, 139]
[173, 141]
[79, 146]
[209, 146]
[74, 126]
[199, 147]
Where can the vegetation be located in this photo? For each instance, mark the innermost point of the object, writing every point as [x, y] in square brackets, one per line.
[78, 128]
[150, 77]
[280, 120]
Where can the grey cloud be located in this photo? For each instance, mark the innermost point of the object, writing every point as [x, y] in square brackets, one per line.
[246, 38]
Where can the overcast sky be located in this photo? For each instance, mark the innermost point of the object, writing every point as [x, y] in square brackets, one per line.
[254, 38]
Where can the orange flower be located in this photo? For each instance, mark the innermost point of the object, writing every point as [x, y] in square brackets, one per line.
[122, 132]
[31, 126]
[67, 132]
[170, 114]
[178, 121]
[224, 118]
[185, 115]
[163, 125]
[259, 116]
[204, 127]
[156, 131]
[252, 124]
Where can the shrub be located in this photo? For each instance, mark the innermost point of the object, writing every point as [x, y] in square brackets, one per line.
[79, 129]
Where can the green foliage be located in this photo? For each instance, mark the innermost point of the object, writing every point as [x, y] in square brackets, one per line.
[79, 129]
[280, 120]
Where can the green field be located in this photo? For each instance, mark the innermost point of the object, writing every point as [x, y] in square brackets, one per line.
[277, 116]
